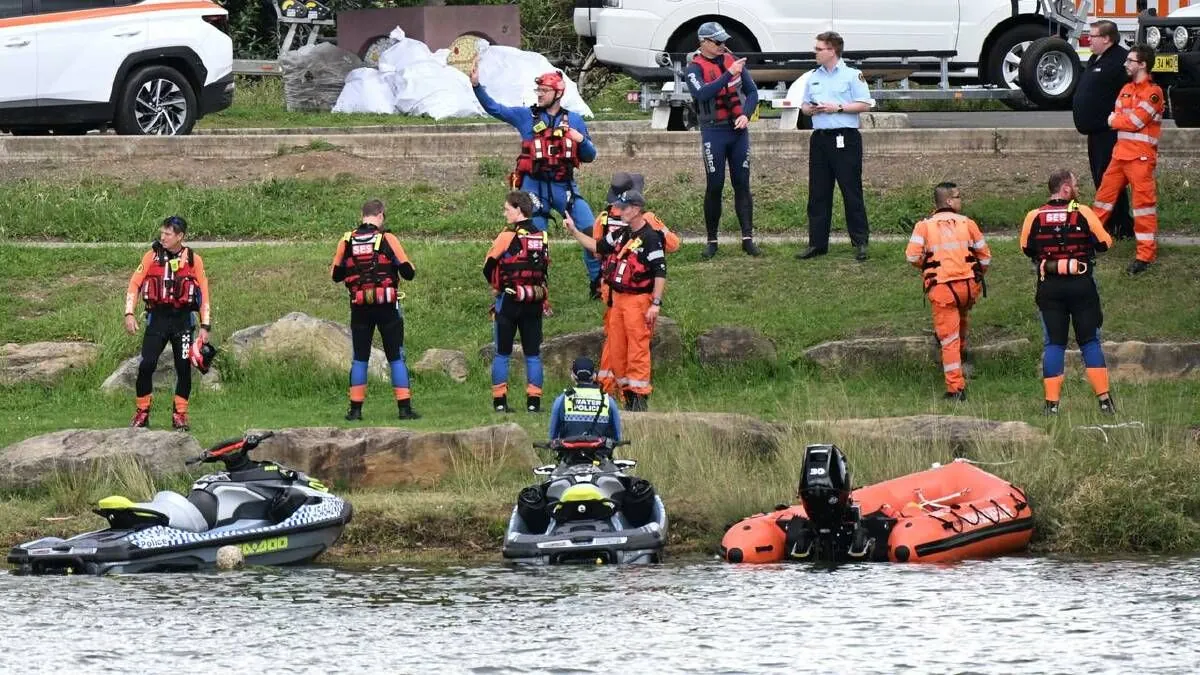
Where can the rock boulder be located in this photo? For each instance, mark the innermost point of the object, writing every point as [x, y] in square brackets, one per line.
[448, 361]
[932, 428]
[559, 351]
[326, 342]
[43, 361]
[125, 376]
[878, 351]
[726, 431]
[159, 453]
[391, 457]
[1145, 361]
[734, 344]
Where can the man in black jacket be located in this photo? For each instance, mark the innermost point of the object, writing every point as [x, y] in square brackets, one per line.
[1094, 99]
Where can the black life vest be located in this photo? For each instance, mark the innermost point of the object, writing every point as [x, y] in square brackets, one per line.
[371, 277]
[1061, 240]
[171, 281]
[727, 105]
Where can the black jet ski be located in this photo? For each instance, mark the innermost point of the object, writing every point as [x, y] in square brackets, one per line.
[272, 514]
[588, 510]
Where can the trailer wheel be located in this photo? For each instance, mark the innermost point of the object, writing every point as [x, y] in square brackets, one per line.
[1004, 59]
[682, 118]
[1049, 73]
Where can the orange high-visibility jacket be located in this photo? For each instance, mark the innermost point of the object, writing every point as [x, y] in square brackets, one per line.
[1137, 117]
[948, 246]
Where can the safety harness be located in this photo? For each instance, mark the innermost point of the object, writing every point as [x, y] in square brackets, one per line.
[551, 155]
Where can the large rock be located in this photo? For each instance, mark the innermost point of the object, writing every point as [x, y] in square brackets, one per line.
[314, 76]
[725, 431]
[159, 453]
[933, 428]
[734, 344]
[878, 351]
[43, 361]
[451, 362]
[559, 351]
[390, 456]
[1144, 361]
[326, 342]
[125, 376]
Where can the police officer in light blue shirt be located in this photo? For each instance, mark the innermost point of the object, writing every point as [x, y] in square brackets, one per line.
[834, 96]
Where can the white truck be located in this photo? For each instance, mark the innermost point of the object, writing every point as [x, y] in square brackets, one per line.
[981, 42]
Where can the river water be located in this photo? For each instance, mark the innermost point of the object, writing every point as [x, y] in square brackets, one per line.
[1015, 615]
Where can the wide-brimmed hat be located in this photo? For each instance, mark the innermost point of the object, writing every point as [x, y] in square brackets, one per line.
[622, 181]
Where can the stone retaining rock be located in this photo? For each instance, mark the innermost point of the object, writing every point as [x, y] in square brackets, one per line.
[327, 342]
[29, 462]
[933, 428]
[125, 376]
[1134, 361]
[879, 351]
[734, 344]
[43, 361]
[729, 432]
[559, 351]
[451, 362]
[391, 456]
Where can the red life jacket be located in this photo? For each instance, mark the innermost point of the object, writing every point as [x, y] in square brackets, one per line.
[628, 273]
[727, 105]
[171, 281]
[525, 266]
[612, 223]
[551, 154]
[371, 277]
[1061, 240]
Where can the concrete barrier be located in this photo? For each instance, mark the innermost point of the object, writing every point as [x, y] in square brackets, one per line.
[453, 148]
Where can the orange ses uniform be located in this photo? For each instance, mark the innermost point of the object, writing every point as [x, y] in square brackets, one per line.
[1137, 118]
[950, 250]
[610, 221]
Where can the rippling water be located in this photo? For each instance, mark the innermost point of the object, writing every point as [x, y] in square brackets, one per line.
[1014, 615]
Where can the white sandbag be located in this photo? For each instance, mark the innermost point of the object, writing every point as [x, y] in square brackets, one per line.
[405, 52]
[430, 88]
[508, 73]
[366, 91]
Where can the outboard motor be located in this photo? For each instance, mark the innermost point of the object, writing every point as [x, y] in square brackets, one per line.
[828, 533]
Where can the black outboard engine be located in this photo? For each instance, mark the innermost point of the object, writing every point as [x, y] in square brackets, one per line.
[831, 532]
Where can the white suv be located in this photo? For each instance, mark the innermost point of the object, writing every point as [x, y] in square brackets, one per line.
[141, 66]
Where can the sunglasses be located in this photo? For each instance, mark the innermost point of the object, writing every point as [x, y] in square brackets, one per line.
[719, 43]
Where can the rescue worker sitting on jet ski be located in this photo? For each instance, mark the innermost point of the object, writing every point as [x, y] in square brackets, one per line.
[584, 409]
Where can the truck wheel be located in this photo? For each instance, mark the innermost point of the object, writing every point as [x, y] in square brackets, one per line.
[1049, 72]
[156, 101]
[1004, 61]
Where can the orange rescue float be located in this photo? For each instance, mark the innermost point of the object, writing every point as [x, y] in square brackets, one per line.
[945, 514]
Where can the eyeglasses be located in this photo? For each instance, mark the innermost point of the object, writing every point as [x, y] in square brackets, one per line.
[544, 90]
[1133, 61]
[719, 43]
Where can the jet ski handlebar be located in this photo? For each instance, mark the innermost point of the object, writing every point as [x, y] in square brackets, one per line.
[232, 448]
[579, 443]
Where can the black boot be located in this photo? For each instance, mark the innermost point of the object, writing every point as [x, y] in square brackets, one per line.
[355, 412]
[533, 404]
[406, 410]
[709, 251]
[500, 404]
[750, 247]
[1107, 406]
[1050, 408]
[637, 402]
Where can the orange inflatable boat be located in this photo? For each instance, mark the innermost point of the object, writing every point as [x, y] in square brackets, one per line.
[947, 513]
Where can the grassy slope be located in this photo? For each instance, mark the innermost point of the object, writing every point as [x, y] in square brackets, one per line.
[1078, 486]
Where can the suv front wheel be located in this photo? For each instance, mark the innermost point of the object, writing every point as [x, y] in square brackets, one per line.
[156, 100]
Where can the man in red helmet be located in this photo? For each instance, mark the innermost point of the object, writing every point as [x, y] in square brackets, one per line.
[554, 142]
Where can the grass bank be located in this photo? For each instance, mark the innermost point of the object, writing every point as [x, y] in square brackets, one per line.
[297, 208]
[1137, 492]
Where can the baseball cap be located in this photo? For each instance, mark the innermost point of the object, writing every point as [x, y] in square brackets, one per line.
[711, 30]
[631, 197]
[583, 368]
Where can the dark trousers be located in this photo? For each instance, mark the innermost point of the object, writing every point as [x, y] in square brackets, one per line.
[723, 146]
[1100, 149]
[165, 327]
[364, 319]
[828, 163]
[1067, 301]
[519, 317]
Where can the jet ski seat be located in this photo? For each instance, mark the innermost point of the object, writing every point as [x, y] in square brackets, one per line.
[181, 514]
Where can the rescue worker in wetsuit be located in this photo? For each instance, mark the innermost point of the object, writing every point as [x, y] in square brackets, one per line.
[1137, 119]
[171, 281]
[610, 221]
[585, 408]
[370, 261]
[725, 97]
[517, 267]
[953, 256]
[637, 278]
[554, 142]
[1062, 237]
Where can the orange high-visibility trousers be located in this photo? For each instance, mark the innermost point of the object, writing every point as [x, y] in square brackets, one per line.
[1138, 173]
[951, 301]
[606, 376]
[628, 341]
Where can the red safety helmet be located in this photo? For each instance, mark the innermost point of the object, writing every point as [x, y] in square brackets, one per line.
[553, 80]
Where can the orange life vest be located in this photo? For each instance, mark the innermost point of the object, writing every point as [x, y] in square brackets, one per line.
[171, 281]
[528, 265]
[371, 276]
[551, 154]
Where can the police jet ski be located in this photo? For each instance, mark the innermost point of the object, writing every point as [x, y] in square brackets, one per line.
[588, 510]
[274, 515]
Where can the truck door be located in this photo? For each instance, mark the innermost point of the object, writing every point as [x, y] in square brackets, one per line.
[925, 25]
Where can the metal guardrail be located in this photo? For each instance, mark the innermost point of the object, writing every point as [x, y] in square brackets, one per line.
[253, 67]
